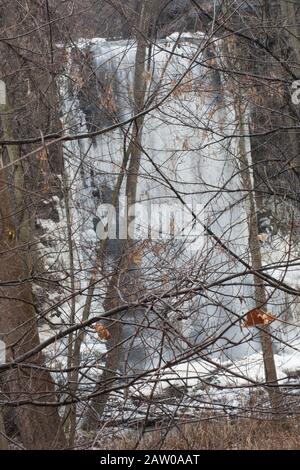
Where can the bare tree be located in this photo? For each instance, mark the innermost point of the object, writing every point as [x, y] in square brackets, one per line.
[183, 109]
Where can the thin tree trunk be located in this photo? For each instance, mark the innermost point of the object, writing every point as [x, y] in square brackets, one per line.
[288, 14]
[3, 440]
[122, 278]
[235, 50]
[256, 261]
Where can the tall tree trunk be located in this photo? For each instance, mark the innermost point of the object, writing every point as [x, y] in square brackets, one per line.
[123, 277]
[291, 24]
[3, 440]
[39, 426]
[236, 50]
[256, 262]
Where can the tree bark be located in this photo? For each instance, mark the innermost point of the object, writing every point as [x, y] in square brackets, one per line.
[256, 262]
[39, 426]
[3, 440]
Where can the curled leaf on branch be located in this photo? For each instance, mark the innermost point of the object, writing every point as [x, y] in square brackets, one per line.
[257, 316]
[103, 332]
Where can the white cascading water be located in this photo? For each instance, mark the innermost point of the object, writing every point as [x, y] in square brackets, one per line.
[184, 138]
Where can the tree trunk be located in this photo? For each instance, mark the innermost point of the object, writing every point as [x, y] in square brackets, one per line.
[39, 426]
[256, 262]
[3, 440]
[123, 277]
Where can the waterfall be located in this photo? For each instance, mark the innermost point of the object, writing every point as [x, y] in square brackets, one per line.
[188, 141]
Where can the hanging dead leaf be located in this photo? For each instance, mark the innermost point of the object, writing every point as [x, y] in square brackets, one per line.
[185, 144]
[103, 332]
[137, 258]
[136, 255]
[262, 237]
[107, 99]
[147, 76]
[158, 249]
[257, 316]
[42, 155]
[46, 187]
